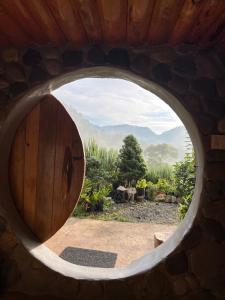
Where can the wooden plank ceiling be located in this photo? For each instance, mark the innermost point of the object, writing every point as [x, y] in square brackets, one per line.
[111, 22]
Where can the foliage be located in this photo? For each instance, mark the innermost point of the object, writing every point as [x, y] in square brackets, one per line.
[184, 178]
[155, 172]
[92, 196]
[183, 207]
[151, 190]
[101, 163]
[131, 163]
[160, 154]
[163, 186]
[141, 184]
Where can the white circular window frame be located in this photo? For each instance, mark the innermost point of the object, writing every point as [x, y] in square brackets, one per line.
[43, 254]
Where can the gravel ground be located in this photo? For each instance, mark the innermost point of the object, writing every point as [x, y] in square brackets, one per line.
[150, 212]
[145, 212]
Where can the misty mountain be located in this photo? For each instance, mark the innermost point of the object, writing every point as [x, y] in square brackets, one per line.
[112, 136]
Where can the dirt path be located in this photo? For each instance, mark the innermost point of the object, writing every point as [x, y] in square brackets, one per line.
[128, 240]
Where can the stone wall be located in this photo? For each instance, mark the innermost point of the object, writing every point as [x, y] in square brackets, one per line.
[196, 269]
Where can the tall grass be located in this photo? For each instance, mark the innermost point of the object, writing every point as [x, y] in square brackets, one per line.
[107, 157]
[159, 171]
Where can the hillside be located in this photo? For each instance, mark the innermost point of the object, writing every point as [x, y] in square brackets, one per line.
[112, 136]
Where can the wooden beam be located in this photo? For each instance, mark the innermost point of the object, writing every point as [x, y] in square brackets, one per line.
[113, 14]
[68, 20]
[138, 20]
[163, 20]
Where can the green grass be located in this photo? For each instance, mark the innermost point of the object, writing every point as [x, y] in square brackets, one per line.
[114, 216]
[80, 212]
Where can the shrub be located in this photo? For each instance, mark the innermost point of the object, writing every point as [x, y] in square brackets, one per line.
[141, 184]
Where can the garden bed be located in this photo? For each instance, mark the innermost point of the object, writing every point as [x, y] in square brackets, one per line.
[141, 212]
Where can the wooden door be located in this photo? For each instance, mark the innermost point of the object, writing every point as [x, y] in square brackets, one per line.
[46, 167]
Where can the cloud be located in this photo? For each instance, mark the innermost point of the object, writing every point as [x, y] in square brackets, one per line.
[116, 101]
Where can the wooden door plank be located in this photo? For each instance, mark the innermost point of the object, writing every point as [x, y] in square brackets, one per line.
[138, 20]
[210, 11]
[46, 167]
[185, 21]
[12, 30]
[68, 20]
[31, 166]
[17, 168]
[163, 20]
[113, 14]
[46, 161]
[42, 15]
[60, 179]
[18, 11]
[89, 14]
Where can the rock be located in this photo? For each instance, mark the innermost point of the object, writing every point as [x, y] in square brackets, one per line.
[193, 103]
[193, 238]
[207, 261]
[38, 74]
[215, 189]
[214, 230]
[177, 264]
[206, 124]
[3, 84]
[179, 84]
[185, 49]
[215, 171]
[205, 86]
[215, 211]
[118, 57]
[10, 55]
[180, 286]
[162, 73]
[53, 67]
[72, 58]
[96, 55]
[200, 295]
[220, 85]
[207, 67]
[160, 197]
[18, 88]
[185, 66]
[141, 64]
[214, 108]
[161, 237]
[32, 57]
[15, 72]
[50, 53]
[221, 125]
[162, 54]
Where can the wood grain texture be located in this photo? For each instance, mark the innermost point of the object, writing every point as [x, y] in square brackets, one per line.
[138, 20]
[113, 20]
[68, 20]
[12, 30]
[18, 12]
[163, 20]
[210, 11]
[185, 21]
[42, 15]
[46, 167]
[90, 18]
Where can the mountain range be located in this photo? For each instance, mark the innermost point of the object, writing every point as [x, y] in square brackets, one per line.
[112, 136]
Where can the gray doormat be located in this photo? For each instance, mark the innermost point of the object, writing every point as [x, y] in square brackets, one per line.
[89, 257]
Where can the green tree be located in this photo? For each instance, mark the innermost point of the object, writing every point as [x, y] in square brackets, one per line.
[184, 179]
[131, 165]
[160, 154]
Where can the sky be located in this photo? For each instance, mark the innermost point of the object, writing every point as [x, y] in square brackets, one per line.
[115, 101]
